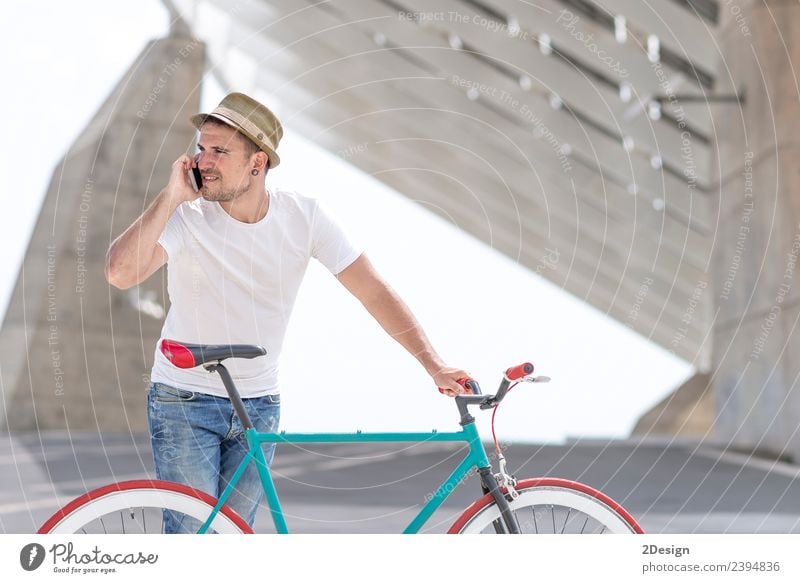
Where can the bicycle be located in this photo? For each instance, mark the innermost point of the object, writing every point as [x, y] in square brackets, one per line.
[508, 505]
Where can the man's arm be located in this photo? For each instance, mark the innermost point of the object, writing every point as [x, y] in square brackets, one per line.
[389, 310]
[134, 256]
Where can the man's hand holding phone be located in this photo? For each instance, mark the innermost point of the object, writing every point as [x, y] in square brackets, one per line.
[180, 187]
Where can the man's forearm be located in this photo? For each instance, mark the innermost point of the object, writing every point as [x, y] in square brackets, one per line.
[130, 253]
[396, 318]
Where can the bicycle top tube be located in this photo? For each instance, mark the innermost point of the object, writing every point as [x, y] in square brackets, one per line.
[364, 437]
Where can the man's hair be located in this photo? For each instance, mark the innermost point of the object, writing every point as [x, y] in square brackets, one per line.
[250, 147]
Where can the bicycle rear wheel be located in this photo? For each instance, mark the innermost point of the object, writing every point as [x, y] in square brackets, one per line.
[550, 506]
[136, 507]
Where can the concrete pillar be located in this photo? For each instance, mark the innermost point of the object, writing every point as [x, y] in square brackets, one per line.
[686, 412]
[756, 339]
[74, 352]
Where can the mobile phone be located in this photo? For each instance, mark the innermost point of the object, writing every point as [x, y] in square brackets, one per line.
[195, 178]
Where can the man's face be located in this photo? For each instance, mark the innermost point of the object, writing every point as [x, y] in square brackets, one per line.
[223, 163]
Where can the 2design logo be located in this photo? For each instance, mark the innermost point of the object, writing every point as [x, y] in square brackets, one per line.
[31, 556]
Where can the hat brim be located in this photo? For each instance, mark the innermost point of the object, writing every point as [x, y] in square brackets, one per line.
[200, 118]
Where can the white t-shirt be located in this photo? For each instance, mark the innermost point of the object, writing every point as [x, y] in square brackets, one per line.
[231, 282]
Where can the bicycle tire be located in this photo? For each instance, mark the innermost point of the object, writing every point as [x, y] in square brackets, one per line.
[106, 509]
[551, 506]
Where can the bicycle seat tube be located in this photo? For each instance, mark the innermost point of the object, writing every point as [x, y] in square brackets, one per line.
[233, 394]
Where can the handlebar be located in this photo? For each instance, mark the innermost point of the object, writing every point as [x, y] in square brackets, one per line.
[512, 374]
[475, 397]
[471, 385]
[519, 371]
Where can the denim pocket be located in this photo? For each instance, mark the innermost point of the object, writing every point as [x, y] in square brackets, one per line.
[167, 394]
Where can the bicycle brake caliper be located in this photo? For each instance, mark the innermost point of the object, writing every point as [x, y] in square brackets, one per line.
[504, 479]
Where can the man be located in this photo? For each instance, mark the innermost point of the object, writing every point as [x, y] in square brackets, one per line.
[236, 254]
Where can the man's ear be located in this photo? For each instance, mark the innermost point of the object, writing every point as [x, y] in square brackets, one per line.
[262, 161]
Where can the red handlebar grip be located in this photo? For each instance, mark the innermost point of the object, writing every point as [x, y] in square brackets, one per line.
[517, 372]
[466, 383]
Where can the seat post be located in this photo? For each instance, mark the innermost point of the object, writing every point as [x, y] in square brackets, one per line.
[233, 394]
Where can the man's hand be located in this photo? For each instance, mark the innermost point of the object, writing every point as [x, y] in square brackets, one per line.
[447, 380]
[179, 189]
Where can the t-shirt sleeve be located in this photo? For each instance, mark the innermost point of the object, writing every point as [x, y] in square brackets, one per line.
[330, 245]
[172, 237]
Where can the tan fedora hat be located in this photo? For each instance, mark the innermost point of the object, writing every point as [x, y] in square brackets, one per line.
[249, 117]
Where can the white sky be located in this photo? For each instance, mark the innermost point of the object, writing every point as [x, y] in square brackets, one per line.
[339, 370]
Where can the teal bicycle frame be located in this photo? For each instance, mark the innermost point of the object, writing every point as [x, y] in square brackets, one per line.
[476, 458]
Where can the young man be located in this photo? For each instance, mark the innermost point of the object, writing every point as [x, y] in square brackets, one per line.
[236, 254]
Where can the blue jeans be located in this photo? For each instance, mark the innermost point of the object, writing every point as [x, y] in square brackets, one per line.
[198, 441]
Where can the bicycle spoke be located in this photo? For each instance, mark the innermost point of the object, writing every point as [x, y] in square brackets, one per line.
[585, 522]
[569, 510]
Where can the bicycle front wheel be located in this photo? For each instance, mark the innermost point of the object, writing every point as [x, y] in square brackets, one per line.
[550, 506]
[136, 507]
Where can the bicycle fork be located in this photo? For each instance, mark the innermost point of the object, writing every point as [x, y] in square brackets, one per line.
[490, 486]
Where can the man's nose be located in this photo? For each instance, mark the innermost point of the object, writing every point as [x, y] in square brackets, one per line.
[203, 162]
